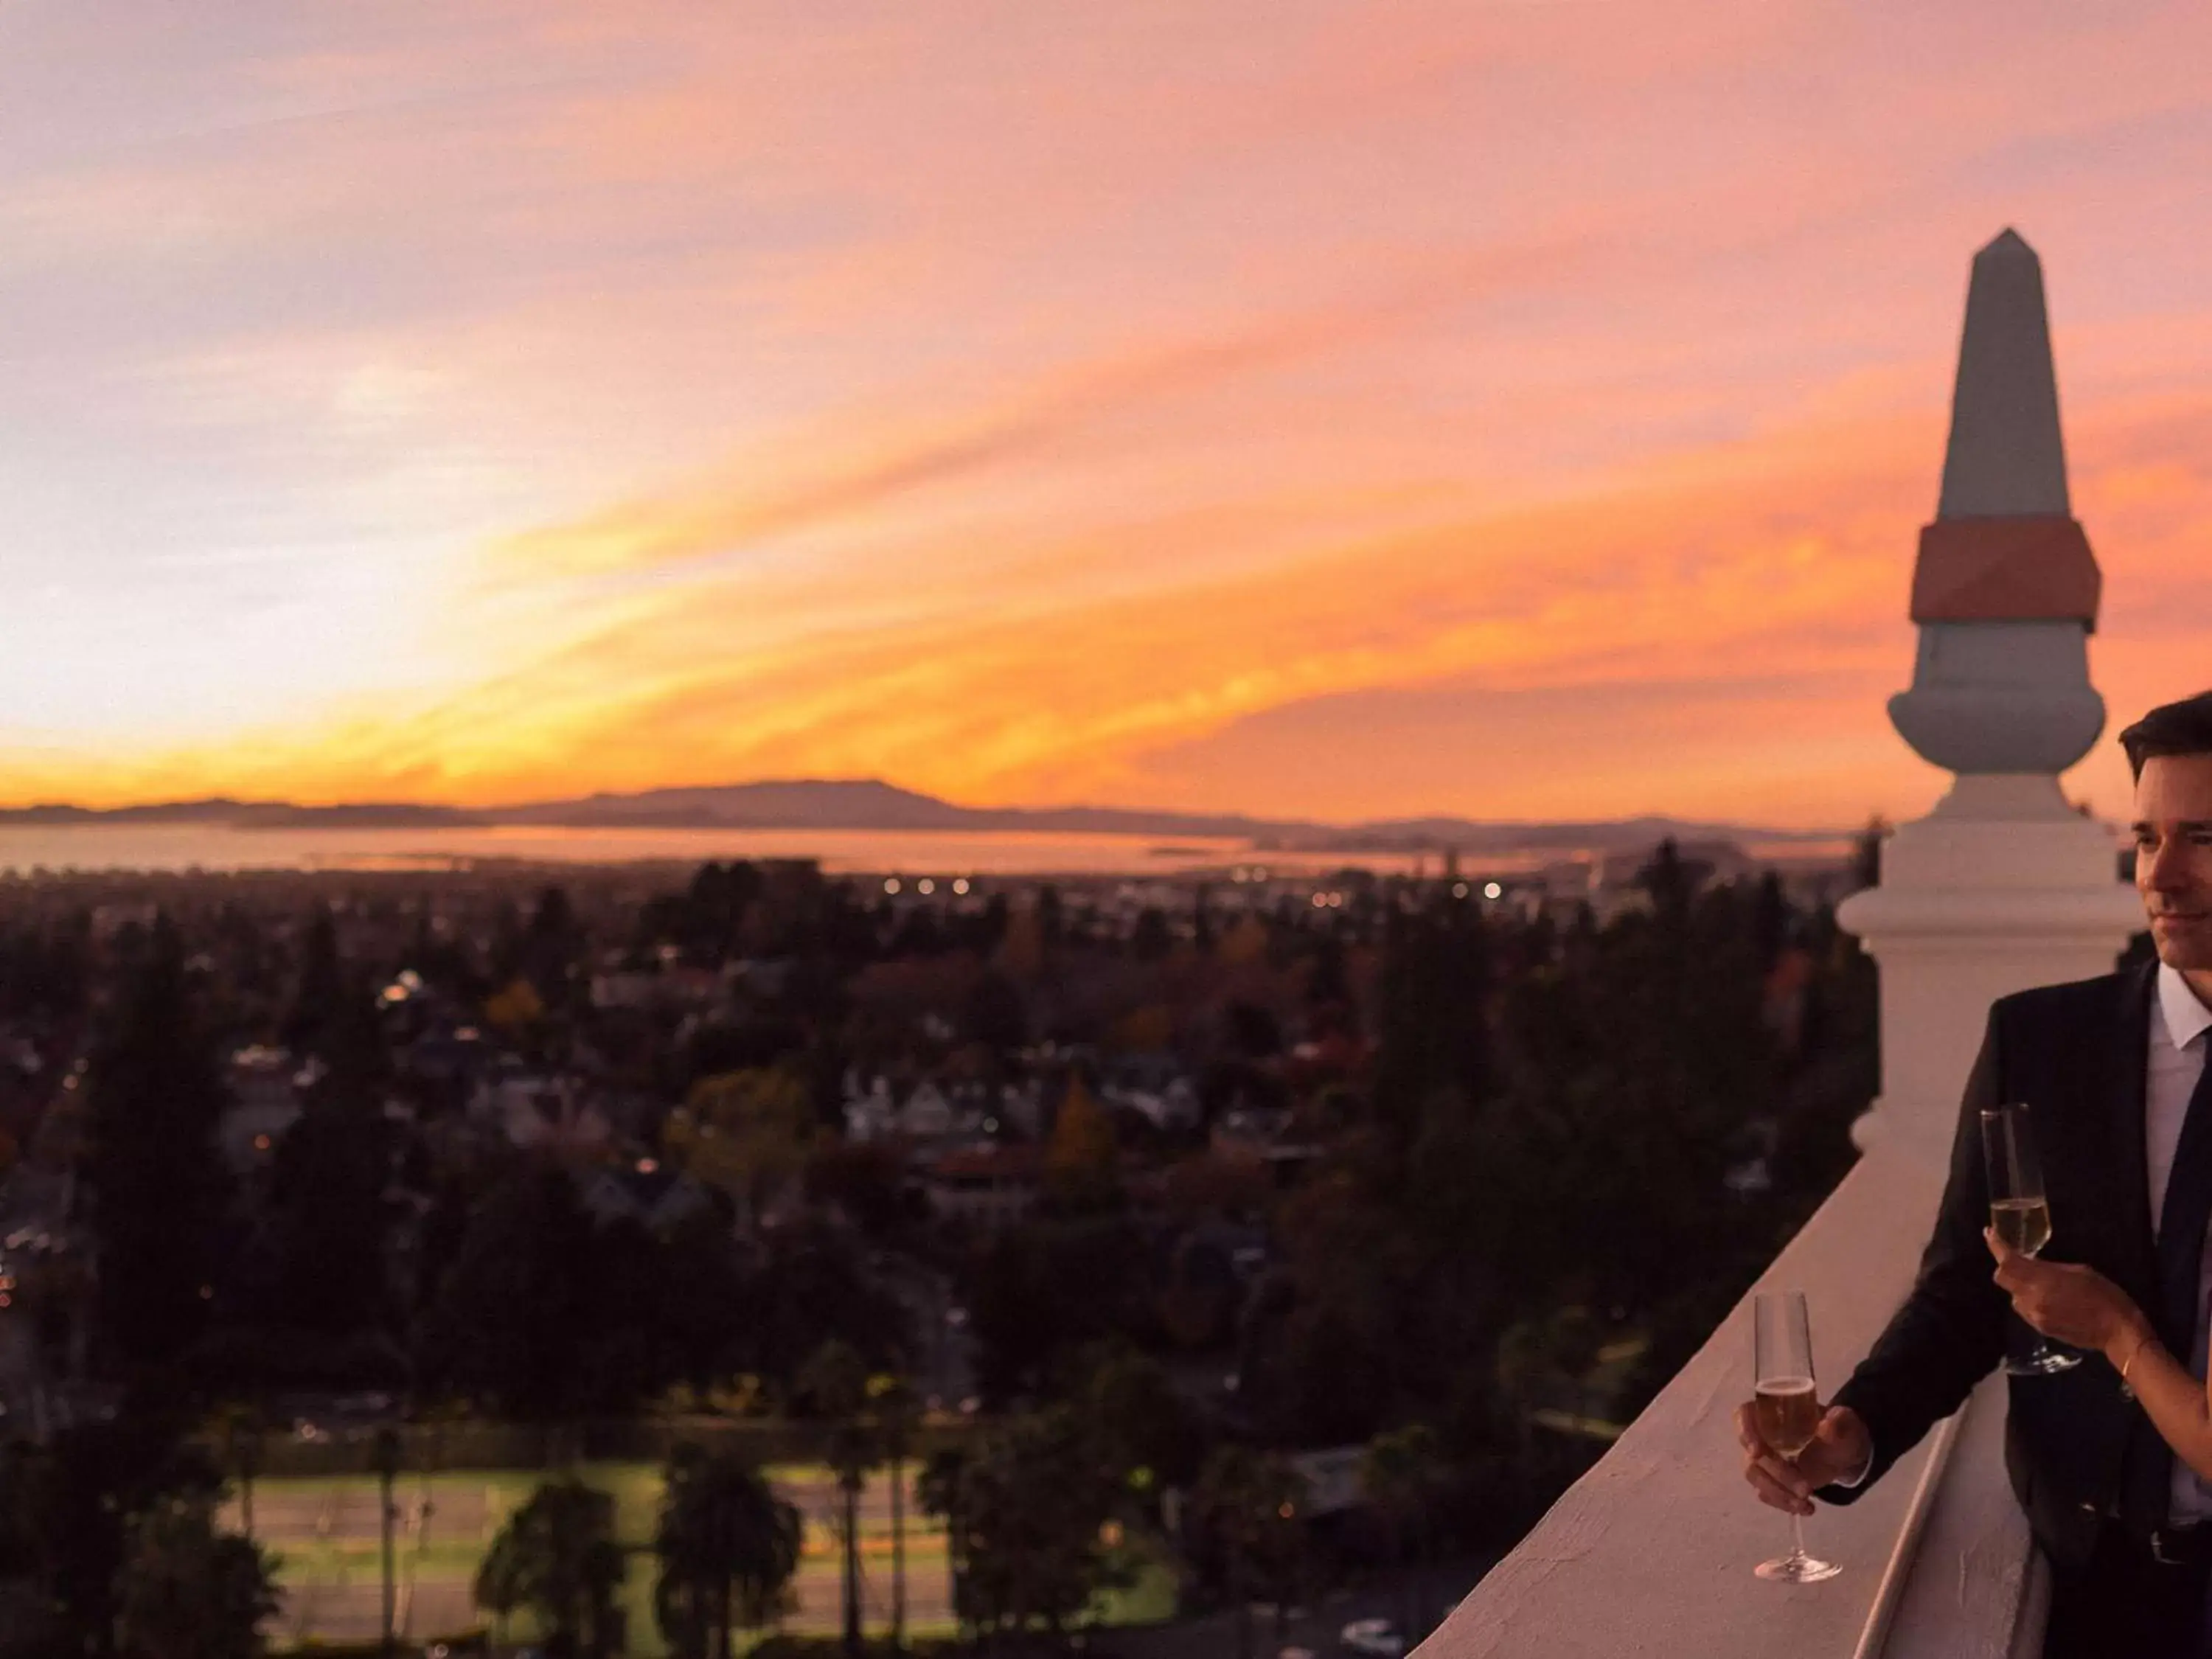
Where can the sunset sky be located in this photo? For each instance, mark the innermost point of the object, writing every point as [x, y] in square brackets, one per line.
[1515, 410]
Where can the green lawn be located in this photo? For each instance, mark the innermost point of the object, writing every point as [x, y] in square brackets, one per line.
[324, 1532]
[1150, 1600]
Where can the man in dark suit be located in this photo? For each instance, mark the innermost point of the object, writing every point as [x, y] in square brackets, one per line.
[2114, 1070]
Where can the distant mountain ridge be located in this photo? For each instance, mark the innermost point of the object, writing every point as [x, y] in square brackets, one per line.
[869, 804]
[250, 815]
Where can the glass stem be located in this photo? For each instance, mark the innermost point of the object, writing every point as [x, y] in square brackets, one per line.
[1797, 1536]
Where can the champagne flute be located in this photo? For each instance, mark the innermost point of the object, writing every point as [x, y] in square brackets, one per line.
[2020, 1213]
[1787, 1405]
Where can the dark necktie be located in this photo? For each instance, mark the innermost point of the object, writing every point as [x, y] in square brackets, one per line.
[2181, 1224]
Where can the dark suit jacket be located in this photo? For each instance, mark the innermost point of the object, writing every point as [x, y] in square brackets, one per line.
[2076, 1053]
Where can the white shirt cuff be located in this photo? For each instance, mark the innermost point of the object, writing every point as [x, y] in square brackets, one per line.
[1854, 1481]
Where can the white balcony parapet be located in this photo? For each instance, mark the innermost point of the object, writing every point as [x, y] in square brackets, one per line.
[1650, 1554]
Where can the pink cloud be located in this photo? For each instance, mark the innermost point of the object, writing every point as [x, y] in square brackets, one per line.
[1027, 406]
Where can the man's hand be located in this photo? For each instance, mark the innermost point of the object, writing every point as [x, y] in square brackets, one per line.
[1840, 1449]
[2070, 1303]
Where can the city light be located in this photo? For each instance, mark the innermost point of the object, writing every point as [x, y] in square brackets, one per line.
[925, 886]
[960, 884]
[1491, 890]
[891, 885]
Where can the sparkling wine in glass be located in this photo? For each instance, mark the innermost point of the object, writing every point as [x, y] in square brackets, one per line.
[1786, 1402]
[2020, 1213]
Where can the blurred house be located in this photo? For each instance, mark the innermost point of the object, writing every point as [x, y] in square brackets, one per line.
[656, 1197]
[555, 1115]
[265, 1101]
[1154, 1087]
[987, 1186]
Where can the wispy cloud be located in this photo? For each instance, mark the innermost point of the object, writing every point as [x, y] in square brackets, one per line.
[777, 495]
[1522, 405]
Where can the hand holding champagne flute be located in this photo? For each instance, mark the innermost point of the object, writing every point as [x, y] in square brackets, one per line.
[1786, 1410]
[2020, 1213]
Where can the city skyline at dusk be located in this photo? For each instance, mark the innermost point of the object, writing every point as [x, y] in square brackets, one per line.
[1518, 411]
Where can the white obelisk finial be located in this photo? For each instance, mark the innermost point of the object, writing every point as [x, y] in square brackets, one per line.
[2003, 886]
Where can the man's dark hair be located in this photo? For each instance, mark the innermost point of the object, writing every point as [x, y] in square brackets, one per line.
[2174, 728]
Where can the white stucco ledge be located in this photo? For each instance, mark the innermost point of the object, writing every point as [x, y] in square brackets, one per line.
[1652, 1552]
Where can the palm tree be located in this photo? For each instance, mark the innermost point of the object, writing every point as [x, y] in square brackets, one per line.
[240, 1425]
[940, 1488]
[893, 1410]
[188, 1591]
[387, 1452]
[728, 1548]
[557, 1556]
[834, 1382]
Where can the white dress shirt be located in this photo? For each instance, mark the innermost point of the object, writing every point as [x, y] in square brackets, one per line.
[2178, 1045]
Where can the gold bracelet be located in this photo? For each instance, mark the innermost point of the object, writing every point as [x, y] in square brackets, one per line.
[2149, 1337]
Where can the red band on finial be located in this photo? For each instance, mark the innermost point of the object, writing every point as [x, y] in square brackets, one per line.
[2009, 570]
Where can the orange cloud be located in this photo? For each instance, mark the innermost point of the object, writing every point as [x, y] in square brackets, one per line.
[1005, 696]
[1521, 409]
[782, 494]
[1715, 633]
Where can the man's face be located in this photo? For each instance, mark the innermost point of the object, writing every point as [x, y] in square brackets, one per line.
[2173, 857]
